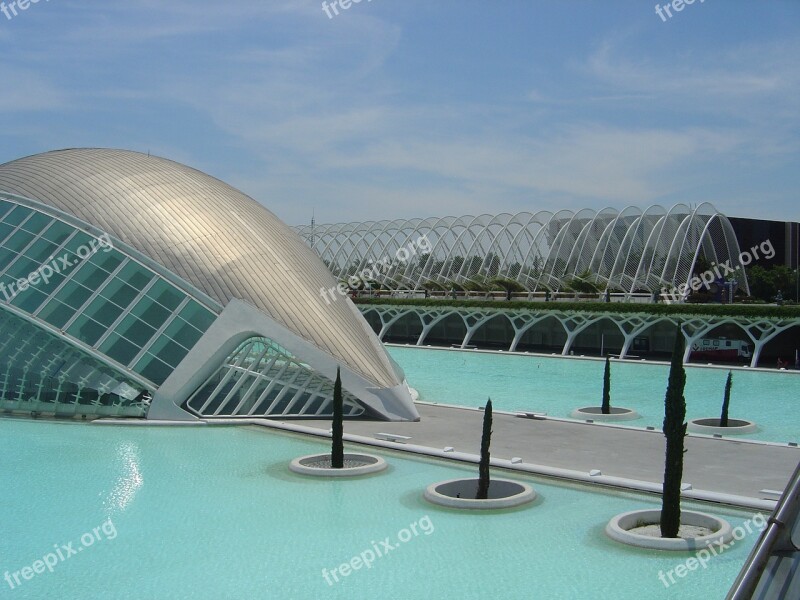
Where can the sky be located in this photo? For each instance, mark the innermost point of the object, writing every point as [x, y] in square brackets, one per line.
[417, 108]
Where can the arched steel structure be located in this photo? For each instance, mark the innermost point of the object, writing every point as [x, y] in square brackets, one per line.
[628, 251]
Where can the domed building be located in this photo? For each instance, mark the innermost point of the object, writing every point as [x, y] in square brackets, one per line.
[131, 285]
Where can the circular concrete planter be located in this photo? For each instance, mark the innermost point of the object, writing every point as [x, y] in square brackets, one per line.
[460, 493]
[711, 426]
[619, 529]
[595, 413]
[319, 465]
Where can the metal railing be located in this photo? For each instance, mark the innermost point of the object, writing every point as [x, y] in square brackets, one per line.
[777, 537]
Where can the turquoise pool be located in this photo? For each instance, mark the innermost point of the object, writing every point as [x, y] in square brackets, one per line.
[557, 386]
[213, 513]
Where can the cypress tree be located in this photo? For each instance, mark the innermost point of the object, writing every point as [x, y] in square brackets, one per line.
[337, 446]
[606, 408]
[723, 419]
[483, 467]
[675, 431]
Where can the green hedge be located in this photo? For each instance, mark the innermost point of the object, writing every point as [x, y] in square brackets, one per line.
[716, 310]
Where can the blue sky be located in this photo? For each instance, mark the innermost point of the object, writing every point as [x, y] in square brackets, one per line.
[407, 108]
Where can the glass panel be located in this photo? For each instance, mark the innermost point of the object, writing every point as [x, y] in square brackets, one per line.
[79, 240]
[135, 275]
[197, 315]
[58, 232]
[74, 294]
[135, 330]
[106, 259]
[86, 330]
[17, 216]
[29, 300]
[168, 351]
[6, 256]
[37, 222]
[5, 207]
[150, 312]
[166, 294]
[22, 268]
[103, 311]
[119, 349]
[19, 240]
[91, 276]
[5, 231]
[53, 281]
[119, 293]
[152, 368]
[41, 251]
[183, 333]
[56, 314]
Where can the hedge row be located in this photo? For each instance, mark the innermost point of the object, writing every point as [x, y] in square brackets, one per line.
[715, 310]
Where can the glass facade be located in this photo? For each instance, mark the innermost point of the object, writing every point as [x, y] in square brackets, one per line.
[41, 373]
[94, 293]
[260, 378]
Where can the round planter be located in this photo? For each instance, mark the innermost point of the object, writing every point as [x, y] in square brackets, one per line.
[711, 426]
[595, 413]
[460, 493]
[619, 529]
[319, 465]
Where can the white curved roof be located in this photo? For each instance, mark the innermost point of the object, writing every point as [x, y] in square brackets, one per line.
[218, 239]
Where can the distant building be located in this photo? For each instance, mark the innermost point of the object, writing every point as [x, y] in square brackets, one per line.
[784, 236]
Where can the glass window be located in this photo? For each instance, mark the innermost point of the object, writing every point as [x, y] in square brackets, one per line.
[74, 294]
[151, 313]
[5, 207]
[29, 300]
[79, 240]
[166, 295]
[37, 222]
[107, 260]
[58, 232]
[53, 281]
[56, 313]
[103, 311]
[17, 216]
[6, 256]
[91, 276]
[198, 316]
[168, 351]
[86, 330]
[18, 240]
[135, 330]
[183, 333]
[119, 293]
[22, 268]
[119, 349]
[135, 275]
[152, 368]
[41, 251]
[5, 231]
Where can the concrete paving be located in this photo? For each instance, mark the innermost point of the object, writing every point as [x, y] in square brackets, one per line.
[716, 465]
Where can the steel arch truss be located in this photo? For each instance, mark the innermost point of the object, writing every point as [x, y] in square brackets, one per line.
[632, 250]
